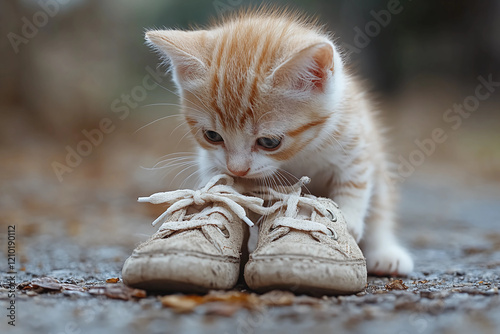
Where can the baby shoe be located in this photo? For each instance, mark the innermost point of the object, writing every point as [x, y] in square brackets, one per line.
[197, 248]
[305, 246]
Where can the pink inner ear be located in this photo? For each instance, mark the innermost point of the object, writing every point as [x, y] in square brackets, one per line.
[323, 60]
[308, 69]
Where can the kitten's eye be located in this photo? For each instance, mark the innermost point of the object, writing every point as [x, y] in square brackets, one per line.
[213, 136]
[269, 143]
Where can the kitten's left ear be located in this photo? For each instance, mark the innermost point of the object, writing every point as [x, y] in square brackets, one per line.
[185, 49]
[309, 69]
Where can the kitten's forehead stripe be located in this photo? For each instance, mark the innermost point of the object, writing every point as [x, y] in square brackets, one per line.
[243, 55]
[307, 126]
[215, 77]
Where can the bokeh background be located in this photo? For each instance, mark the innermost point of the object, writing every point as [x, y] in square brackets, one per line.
[67, 66]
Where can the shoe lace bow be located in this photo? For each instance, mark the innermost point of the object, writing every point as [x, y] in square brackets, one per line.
[292, 199]
[218, 190]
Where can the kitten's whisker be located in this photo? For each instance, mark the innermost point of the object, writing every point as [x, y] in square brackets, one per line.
[183, 154]
[174, 159]
[150, 123]
[171, 166]
[207, 109]
[295, 178]
[187, 133]
[176, 164]
[178, 126]
[283, 180]
[172, 92]
[173, 104]
[338, 142]
[186, 168]
[197, 171]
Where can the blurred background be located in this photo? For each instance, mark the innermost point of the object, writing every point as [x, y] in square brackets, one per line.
[84, 116]
[77, 92]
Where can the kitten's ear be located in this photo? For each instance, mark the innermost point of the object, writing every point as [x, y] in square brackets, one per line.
[185, 49]
[308, 69]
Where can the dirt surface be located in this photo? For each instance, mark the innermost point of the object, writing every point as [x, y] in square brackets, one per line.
[80, 231]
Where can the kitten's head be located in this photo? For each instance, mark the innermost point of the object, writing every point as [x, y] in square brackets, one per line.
[257, 89]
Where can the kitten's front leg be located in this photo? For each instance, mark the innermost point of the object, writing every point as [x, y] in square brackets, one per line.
[351, 191]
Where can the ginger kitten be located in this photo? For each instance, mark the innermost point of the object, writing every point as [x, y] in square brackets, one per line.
[265, 93]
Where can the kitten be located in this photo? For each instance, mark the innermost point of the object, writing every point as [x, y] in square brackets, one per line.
[266, 93]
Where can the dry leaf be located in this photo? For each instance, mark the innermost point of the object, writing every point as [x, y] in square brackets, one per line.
[278, 298]
[236, 300]
[396, 285]
[138, 293]
[113, 280]
[180, 303]
[118, 291]
[24, 286]
[73, 287]
[97, 290]
[47, 283]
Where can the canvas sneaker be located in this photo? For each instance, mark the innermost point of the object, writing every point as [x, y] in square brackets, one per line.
[305, 247]
[197, 248]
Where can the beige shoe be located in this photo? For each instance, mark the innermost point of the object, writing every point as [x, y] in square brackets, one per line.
[306, 249]
[198, 246]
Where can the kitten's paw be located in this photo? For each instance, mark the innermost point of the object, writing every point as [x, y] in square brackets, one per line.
[390, 260]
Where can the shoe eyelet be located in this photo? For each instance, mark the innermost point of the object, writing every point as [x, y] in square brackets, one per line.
[333, 234]
[332, 216]
[223, 231]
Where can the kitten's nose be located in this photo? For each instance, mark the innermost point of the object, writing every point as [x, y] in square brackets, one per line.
[239, 173]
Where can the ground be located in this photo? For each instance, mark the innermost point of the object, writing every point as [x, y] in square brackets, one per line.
[80, 231]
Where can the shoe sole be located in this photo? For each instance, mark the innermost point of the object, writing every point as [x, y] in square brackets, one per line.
[305, 275]
[180, 272]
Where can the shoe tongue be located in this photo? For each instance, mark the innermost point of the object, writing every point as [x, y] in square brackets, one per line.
[304, 212]
[193, 209]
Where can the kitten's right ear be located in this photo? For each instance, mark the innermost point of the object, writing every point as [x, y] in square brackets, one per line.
[185, 49]
[308, 69]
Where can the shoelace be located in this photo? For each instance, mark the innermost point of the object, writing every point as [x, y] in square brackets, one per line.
[292, 199]
[212, 192]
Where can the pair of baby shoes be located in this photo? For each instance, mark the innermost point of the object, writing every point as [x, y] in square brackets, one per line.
[303, 244]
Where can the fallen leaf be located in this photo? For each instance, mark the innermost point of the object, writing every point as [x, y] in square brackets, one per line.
[117, 291]
[181, 303]
[47, 283]
[307, 300]
[237, 300]
[72, 287]
[113, 280]
[138, 293]
[278, 298]
[396, 285]
[97, 290]
[24, 286]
